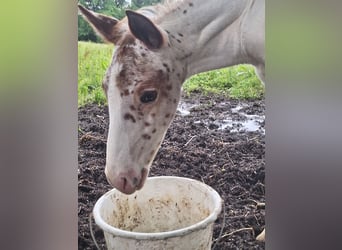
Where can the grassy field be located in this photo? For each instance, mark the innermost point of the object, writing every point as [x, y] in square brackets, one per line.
[93, 59]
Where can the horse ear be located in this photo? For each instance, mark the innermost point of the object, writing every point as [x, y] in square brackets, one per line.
[144, 30]
[102, 24]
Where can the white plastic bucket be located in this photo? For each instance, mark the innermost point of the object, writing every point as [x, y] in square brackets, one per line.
[168, 213]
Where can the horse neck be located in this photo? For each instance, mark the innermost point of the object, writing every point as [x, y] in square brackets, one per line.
[205, 34]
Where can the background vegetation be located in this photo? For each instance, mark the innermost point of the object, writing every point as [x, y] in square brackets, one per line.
[94, 58]
[93, 61]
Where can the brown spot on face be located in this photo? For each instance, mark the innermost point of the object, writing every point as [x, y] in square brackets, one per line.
[167, 67]
[128, 116]
[132, 108]
[126, 92]
[153, 114]
[191, 4]
[168, 87]
[122, 73]
[147, 124]
[137, 82]
[180, 34]
[152, 152]
[154, 130]
[121, 77]
[179, 41]
[174, 101]
[146, 136]
[143, 54]
[167, 115]
[185, 11]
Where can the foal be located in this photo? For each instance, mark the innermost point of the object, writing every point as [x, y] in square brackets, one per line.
[157, 48]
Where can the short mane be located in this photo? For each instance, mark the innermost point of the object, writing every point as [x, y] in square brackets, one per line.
[161, 9]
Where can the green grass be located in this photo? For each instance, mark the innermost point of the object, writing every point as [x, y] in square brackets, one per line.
[238, 82]
[93, 61]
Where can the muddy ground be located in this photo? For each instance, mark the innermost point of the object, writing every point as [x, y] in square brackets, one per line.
[213, 139]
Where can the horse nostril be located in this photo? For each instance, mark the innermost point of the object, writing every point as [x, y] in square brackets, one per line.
[124, 182]
[135, 181]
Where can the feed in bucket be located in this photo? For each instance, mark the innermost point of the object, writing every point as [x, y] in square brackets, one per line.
[168, 213]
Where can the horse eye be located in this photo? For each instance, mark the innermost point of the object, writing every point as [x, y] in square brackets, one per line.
[148, 96]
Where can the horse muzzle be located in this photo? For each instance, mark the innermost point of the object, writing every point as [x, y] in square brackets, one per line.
[127, 181]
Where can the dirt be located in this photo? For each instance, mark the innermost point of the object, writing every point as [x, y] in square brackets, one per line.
[207, 142]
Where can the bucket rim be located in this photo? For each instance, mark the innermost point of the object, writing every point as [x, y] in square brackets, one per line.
[160, 235]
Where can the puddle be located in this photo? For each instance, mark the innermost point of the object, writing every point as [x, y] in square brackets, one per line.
[251, 124]
[184, 108]
[239, 107]
[234, 120]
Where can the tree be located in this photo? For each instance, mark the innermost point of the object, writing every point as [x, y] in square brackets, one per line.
[136, 4]
[115, 8]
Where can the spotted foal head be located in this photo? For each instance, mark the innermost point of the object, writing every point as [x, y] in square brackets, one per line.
[142, 86]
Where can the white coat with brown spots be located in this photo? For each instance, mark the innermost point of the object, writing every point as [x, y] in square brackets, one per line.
[157, 48]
